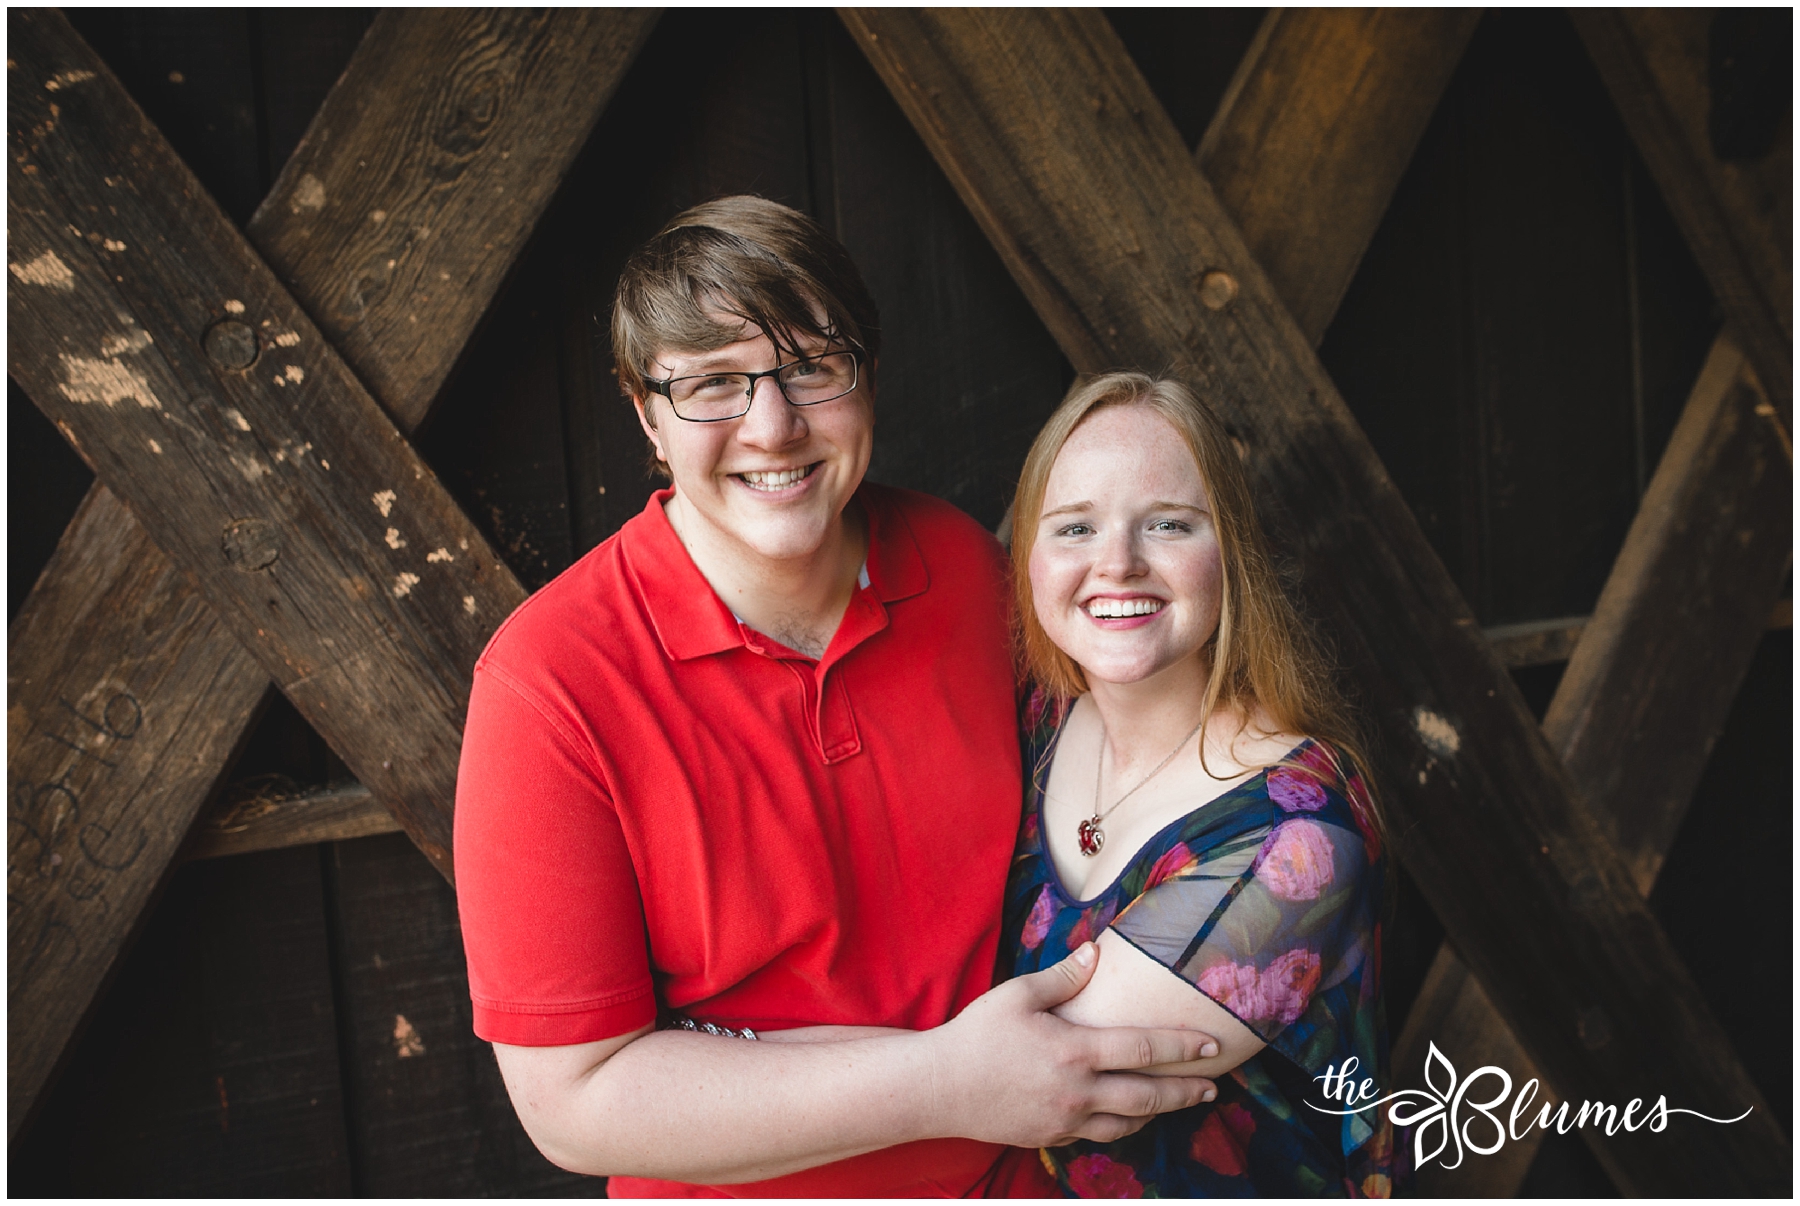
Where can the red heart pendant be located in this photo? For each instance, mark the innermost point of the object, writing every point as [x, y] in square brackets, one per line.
[1089, 838]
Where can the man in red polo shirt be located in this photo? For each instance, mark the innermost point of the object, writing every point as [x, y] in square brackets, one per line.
[750, 767]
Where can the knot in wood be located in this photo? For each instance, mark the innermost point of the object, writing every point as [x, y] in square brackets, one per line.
[250, 545]
[471, 120]
[1218, 289]
[231, 345]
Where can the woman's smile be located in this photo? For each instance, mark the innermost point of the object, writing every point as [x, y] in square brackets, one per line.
[1125, 571]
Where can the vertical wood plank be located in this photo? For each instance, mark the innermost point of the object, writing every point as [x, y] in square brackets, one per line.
[213, 1066]
[429, 1114]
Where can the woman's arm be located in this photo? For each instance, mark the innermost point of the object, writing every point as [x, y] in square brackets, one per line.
[1129, 988]
[699, 1108]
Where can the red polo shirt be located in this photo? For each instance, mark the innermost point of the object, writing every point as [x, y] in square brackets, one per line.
[660, 806]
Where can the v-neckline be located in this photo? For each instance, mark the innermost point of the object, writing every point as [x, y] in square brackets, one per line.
[1041, 790]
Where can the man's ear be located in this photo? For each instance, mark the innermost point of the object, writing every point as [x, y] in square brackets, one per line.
[641, 404]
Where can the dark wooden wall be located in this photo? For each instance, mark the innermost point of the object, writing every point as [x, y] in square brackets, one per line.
[1517, 343]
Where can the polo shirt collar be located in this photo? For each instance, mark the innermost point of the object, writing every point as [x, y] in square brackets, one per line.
[691, 621]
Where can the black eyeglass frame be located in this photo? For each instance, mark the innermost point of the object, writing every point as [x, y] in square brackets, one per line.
[855, 353]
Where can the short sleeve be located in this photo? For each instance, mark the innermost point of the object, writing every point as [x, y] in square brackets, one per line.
[552, 919]
[1268, 924]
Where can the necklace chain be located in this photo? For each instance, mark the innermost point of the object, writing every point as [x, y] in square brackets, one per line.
[1089, 837]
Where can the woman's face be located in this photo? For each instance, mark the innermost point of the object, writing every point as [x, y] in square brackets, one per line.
[1125, 573]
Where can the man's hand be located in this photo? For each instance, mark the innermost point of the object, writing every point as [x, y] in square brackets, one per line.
[1059, 1082]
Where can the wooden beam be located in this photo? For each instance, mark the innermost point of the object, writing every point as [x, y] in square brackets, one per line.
[1647, 690]
[1737, 215]
[1061, 152]
[270, 822]
[138, 632]
[1316, 129]
[1325, 96]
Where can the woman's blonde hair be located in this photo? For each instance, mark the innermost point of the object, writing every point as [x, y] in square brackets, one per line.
[1262, 654]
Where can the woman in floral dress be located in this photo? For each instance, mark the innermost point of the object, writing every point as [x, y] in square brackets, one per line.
[1197, 806]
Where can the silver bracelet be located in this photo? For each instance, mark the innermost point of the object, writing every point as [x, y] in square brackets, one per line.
[678, 1022]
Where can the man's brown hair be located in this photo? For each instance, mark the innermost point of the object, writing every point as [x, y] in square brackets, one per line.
[745, 256]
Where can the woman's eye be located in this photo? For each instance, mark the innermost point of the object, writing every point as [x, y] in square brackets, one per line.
[1075, 529]
[1170, 525]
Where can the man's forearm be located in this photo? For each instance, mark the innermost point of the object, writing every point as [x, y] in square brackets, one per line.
[697, 1108]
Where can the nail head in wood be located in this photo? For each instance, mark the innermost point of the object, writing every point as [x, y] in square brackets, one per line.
[1217, 289]
[231, 344]
[250, 545]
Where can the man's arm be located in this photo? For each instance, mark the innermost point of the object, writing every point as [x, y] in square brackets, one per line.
[698, 1108]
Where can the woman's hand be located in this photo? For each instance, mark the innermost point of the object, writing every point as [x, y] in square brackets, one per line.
[1060, 1081]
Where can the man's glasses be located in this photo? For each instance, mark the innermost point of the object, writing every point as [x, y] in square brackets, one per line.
[715, 397]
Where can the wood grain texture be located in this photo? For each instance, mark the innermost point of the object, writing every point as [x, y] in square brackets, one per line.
[112, 744]
[1313, 134]
[212, 1065]
[188, 670]
[1647, 689]
[1737, 216]
[1058, 148]
[332, 814]
[430, 1114]
[413, 191]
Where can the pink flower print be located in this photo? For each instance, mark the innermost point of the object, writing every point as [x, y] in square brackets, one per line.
[1278, 993]
[1098, 1176]
[1216, 1146]
[1038, 924]
[1169, 865]
[1234, 985]
[1287, 984]
[1238, 1121]
[1295, 863]
[1092, 923]
[1295, 791]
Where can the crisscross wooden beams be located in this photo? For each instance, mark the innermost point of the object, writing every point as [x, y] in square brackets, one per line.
[1314, 133]
[1737, 216]
[1647, 690]
[416, 187]
[1065, 158]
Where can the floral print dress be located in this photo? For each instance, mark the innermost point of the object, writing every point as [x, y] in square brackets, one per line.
[1267, 900]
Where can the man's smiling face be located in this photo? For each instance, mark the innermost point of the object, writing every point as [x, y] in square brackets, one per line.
[772, 484]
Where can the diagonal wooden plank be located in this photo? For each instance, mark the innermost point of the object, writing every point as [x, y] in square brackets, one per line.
[458, 108]
[1324, 101]
[1314, 133]
[1646, 691]
[1737, 215]
[1063, 155]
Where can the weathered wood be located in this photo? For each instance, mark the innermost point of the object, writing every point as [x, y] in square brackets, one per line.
[1737, 215]
[412, 192]
[1690, 595]
[211, 1068]
[167, 353]
[200, 721]
[1058, 148]
[331, 814]
[1648, 688]
[1314, 132]
[126, 696]
[428, 1113]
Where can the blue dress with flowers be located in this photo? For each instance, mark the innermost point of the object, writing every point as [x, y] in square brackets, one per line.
[1266, 899]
